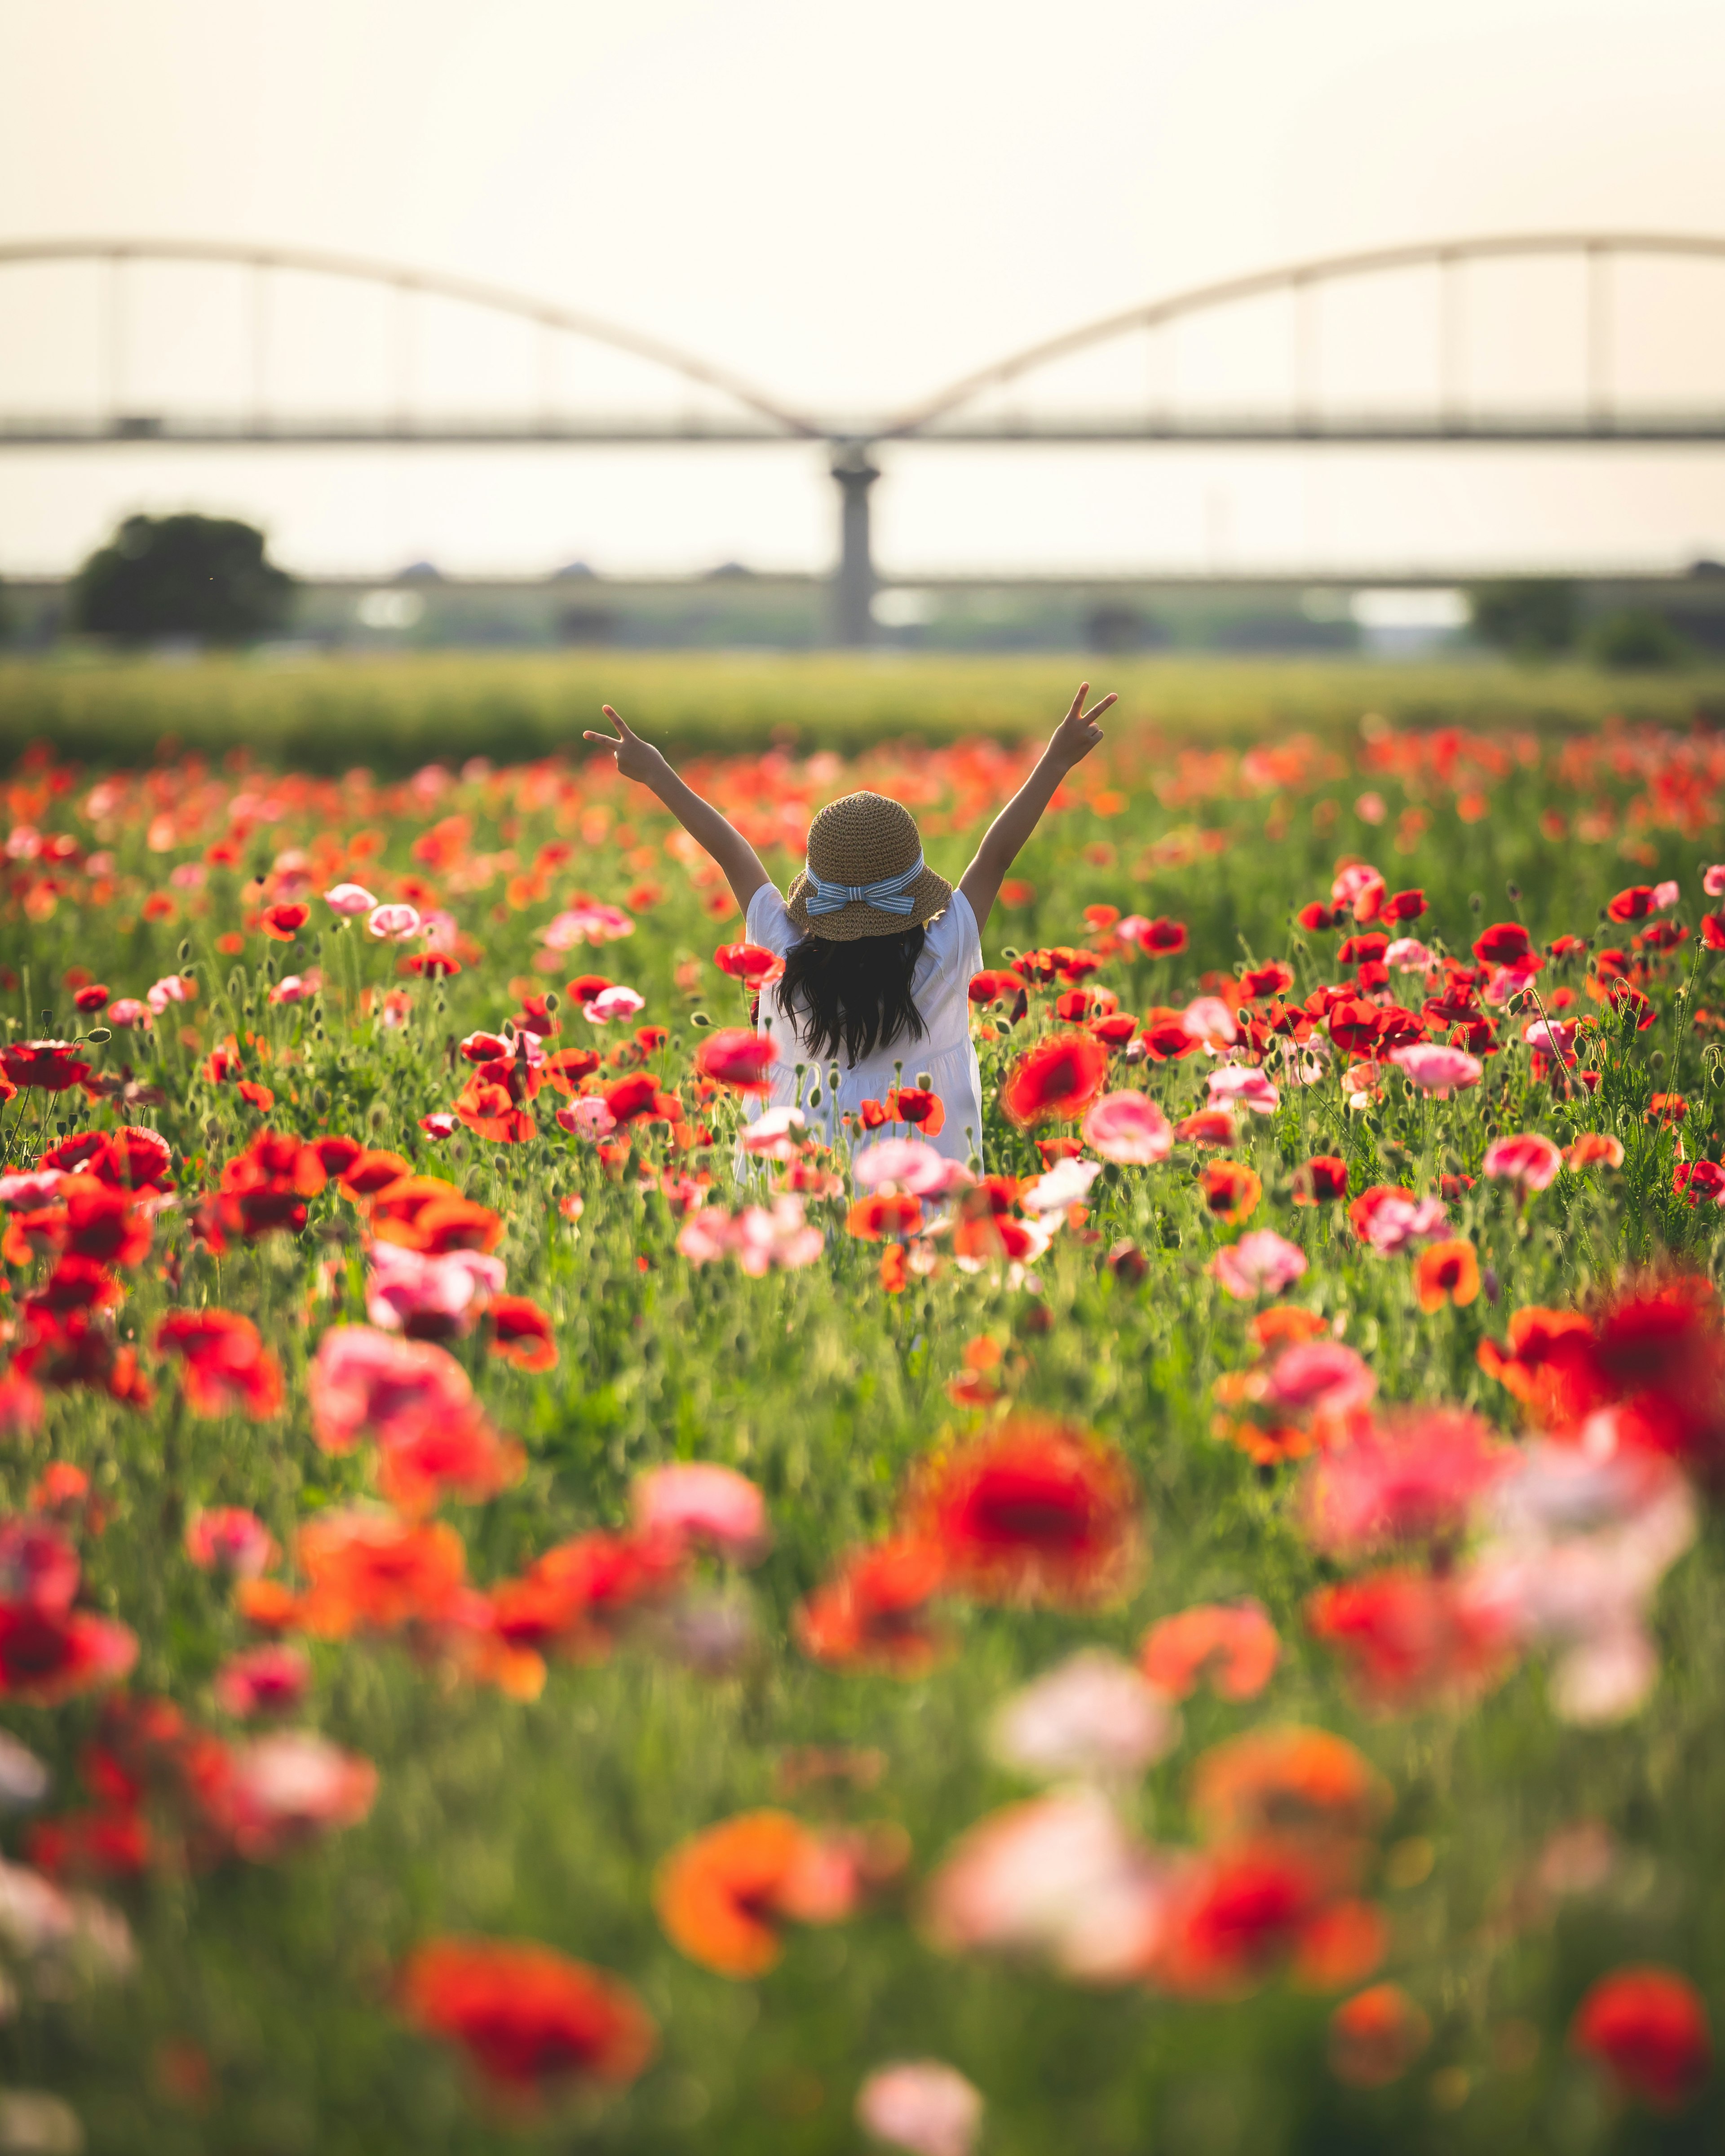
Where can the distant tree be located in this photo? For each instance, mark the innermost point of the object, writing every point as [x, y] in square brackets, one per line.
[1530, 617]
[1635, 640]
[206, 576]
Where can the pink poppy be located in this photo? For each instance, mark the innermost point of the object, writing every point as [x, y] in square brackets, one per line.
[712, 1507]
[1712, 882]
[589, 1117]
[1396, 1223]
[1528, 1159]
[430, 1297]
[1435, 1068]
[1261, 1263]
[1362, 888]
[1250, 1088]
[230, 1539]
[266, 1680]
[611, 1003]
[348, 899]
[593, 923]
[1408, 955]
[440, 1124]
[1067, 1182]
[1130, 1129]
[287, 1790]
[1318, 1378]
[1092, 1717]
[922, 2105]
[910, 1164]
[1061, 1875]
[171, 988]
[1208, 1019]
[393, 924]
[363, 1381]
[126, 1011]
[1417, 1479]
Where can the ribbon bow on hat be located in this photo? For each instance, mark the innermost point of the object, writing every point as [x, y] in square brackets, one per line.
[891, 894]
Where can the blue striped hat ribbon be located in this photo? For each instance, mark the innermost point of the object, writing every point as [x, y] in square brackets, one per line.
[891, 894]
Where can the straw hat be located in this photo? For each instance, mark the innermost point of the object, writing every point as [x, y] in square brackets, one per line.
[865, 875]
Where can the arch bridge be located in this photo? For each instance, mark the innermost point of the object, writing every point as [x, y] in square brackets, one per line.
[1592, 408]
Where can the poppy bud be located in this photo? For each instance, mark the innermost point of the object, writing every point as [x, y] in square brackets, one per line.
[699, 1017]
[98, 1034]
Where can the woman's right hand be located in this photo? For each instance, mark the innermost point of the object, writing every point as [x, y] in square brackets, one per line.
[1077, 734]
[636, 759]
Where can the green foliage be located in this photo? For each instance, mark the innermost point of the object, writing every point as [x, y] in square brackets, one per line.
[1529, 617]
[1635, 640]
[188, 576]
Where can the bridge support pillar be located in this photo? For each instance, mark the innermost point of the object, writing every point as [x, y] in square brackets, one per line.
[853, 621]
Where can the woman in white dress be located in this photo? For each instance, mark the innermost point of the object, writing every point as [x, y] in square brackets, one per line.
[878, 949]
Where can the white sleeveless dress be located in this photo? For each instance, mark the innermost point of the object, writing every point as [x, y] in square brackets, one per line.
[952, 952]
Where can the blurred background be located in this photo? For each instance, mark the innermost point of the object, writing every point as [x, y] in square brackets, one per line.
[1271, 327]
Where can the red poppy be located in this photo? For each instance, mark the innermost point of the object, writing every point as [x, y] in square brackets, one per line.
[1712, 931]
[735, 1057]
[1165, 1037]
[915, 1104]
[1545, 1363]
[1649, 2025]
[1114, 1032]
[1698, 1181]
[336, 1154]
[100, 1844]
[1355, 1024]
[424, 1213]
[1235, 1914]
[1403, 906]
[747, 961]
[1230, 1190]
[536, 1016]
[1415, 1640]
[876, 1613]
[1036, 1510]
[368, 1171]
[1316, 916]
[1232, 1646]
[1634, 904]
[1321, 1180]
[885, 1213]
[226, 1366]
[1057, 1079]
[283, 923]
[566, 1067]
[1376, 2035]
[722, 1895]
[1207, 1127]
[491, 1110]
[521, 1332]
[51, 1067]
[1163, 938]
[372, 1571]
[1270, 979]
[1504, 943]
[47, 1655]
[1363, 950]
[586, 986]
[526, 2016]
[434, 965]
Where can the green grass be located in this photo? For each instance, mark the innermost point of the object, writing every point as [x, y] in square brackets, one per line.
[394, 713]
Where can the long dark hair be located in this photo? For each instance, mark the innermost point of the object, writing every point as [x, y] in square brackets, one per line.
[853, 996]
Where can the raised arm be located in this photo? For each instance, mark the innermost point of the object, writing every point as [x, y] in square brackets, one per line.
[640, 761]
[1071, 742]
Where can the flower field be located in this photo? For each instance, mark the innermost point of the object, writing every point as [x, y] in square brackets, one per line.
[541, 1606]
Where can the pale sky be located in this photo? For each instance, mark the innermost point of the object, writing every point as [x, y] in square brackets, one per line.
[851, 206]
